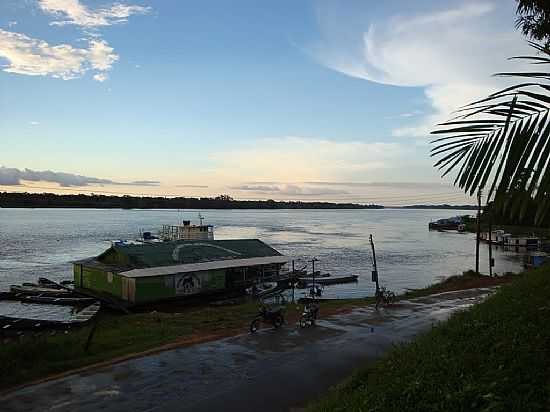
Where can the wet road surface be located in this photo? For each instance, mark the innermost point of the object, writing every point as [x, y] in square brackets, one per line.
[269, 371]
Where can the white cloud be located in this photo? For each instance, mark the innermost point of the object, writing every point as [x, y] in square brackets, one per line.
[35, 57]
[75, 13]
[291, 159]
[34, 123]
[452, 53]
[100, 77]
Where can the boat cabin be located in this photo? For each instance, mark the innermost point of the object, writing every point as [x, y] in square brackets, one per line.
[186, 231]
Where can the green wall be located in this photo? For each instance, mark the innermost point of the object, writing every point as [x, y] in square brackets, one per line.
[148, 289]
[97, 279]
[153, 288]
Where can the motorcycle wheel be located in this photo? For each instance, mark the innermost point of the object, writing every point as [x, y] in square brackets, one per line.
[278, 322]
[255, 325]
[303, 323]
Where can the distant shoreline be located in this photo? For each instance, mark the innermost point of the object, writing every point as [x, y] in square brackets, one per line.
[81, 201]
[18, 200]
[442, 207]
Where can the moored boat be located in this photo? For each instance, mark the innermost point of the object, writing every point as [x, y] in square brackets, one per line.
[453, 223]
[330, 280]
[40, 290]
[80, 318]
[52, 300]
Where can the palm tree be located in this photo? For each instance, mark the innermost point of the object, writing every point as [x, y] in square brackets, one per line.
[503, 142]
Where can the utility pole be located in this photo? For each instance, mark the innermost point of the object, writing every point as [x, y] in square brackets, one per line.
[491, 262]
[375, 271]
[478, 229]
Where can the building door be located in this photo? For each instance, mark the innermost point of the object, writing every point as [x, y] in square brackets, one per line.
[128, 289]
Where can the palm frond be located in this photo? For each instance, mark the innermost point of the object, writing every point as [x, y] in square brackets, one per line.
[503, 142]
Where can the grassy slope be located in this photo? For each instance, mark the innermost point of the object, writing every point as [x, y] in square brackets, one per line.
[122, 335]
[492, 357]
[118, 336]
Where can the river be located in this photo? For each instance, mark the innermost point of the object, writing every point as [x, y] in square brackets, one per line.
[43, 242]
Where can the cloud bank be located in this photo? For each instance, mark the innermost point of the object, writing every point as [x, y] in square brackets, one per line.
[312, 159]
[451, 53]
[15, 177]
[34, 57]
[290, 190]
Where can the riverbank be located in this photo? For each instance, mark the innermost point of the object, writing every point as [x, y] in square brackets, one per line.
[288, 367]
[121, 337]
[493, 356]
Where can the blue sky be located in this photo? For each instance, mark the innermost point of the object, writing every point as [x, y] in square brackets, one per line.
[288, 100]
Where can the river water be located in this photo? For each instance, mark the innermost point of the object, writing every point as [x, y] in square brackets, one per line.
[43, 242]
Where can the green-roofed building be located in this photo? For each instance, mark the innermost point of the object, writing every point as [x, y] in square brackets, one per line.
[140, 272]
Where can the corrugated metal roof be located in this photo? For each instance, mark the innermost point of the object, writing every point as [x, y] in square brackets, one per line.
[192, 251]
[197, 267]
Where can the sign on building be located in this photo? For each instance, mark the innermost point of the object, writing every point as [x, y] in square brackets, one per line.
[187, 283]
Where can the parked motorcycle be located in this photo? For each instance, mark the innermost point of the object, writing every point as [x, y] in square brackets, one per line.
[309, 315]
[274, 316]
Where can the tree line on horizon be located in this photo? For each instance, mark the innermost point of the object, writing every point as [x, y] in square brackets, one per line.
[95, 201]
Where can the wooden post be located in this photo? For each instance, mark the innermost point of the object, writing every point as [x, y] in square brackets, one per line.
[478, 229]
[293, 280]
[313, 268]
[374, 264]
[91, 335]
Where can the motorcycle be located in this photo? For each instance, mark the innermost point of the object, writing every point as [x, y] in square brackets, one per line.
[309, 315]
[384, 297]
[274, 316]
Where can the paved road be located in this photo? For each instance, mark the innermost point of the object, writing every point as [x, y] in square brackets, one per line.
[269, 371]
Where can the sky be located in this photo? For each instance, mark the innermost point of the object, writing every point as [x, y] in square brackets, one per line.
[288, 100]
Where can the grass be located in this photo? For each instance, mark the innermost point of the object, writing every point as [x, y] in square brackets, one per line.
[494, 356]
[468, 280]
[118, 336]
[115, 336]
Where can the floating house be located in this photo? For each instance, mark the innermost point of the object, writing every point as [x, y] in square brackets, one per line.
[500, 237]
[149, 272]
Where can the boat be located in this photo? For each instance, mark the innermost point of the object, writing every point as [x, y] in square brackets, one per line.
[526, 241]
[535, 259]
[318, 274]
[47, 283]
[40, 290]
[272, 291]
[309, 299]
[80, 318]
[259, 290]
[453, 223]
[52, 300]
[331, 280]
